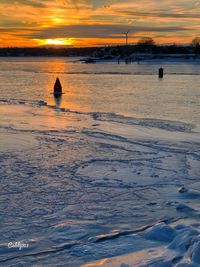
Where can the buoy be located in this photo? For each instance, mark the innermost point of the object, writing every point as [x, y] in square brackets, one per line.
[57, 88]
[160, 73]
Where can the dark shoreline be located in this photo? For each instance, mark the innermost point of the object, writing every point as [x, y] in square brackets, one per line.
[113, 51]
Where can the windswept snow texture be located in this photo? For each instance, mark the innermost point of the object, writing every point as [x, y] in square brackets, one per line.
[83, 188]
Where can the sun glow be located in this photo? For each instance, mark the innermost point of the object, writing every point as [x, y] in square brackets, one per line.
[56, 41]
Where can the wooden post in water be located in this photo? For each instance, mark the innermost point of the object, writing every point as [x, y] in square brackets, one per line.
[160, 73]
[57, 88]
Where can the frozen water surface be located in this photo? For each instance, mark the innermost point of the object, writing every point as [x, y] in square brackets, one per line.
[88, 187]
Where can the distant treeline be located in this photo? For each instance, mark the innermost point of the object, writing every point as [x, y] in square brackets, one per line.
[46, 51]
[145, 46]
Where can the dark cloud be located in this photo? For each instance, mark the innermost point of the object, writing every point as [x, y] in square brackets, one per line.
[8, 24]
[12, 30]
[159, 14]
[93, 3]
[95, 31]
[37, 4]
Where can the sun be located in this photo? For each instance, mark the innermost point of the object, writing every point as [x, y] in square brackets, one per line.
[56, 41]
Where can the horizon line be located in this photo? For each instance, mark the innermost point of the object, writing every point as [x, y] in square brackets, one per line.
[97, 46]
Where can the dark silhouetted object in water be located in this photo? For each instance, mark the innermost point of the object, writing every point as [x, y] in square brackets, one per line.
[160, 73]
[57, 88]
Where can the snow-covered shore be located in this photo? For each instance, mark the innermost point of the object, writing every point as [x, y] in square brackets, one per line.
[144, 57]
[95, 189]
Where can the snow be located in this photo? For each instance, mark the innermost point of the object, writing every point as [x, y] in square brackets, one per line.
[97, 189]
[160, 232]
[183, 249]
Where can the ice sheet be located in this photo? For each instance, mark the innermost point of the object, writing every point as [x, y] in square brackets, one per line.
[83, 187]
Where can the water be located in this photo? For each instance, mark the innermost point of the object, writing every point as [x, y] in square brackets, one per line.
[131, 90]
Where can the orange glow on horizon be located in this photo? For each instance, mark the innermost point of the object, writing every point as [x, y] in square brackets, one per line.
[55, 42]
[90, 42]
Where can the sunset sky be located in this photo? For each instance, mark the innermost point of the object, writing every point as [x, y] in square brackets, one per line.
[96, 22]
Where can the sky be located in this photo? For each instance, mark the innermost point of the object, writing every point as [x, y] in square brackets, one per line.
[80, 23]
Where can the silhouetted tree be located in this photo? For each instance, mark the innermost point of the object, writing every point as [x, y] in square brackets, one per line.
[146, 44]
[146, 41]
[196, 44]
[196, 41]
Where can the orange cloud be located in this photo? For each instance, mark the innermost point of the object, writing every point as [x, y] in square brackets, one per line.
[99, 22]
